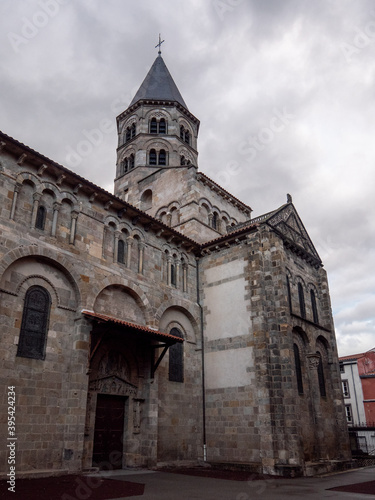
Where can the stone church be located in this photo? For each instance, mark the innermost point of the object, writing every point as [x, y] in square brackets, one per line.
[161, 324]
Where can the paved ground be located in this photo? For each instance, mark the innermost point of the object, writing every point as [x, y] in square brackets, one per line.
[168, 486]
[150, 485]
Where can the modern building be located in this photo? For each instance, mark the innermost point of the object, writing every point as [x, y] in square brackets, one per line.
[358, 386]
[161, 324]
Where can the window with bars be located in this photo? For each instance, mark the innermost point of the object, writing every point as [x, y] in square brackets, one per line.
[34, 326]
[345, 389]
[349, 414]
[176, 358]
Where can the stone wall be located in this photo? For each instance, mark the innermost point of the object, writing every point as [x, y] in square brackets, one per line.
[74, 257]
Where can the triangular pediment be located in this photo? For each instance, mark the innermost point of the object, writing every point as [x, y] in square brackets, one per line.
[288, 224]
[113, 385]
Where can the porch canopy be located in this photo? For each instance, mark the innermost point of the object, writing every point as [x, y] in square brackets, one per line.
[165, 339]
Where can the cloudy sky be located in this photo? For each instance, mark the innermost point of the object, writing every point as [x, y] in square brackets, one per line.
[284, 90]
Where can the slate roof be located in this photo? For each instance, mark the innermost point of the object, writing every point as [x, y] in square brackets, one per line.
[159, 85]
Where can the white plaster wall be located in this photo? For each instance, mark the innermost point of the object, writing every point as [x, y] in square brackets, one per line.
[229, 368]
[225, 305]
[355, 391]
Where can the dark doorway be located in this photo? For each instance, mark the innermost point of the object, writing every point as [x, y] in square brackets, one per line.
[109, 430]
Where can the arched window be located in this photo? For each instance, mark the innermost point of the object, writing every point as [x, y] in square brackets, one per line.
[289, 294]
[162, 157]
[131, 161]
[176, 358]
[313, 306]
[322, 383]
[34, 326]
[297, 364]
[301, 298]
[128, 134]
[173, 275]
[187, 137]
[121, 252]
[152, 157]
[214, 222]
[133, 130]
[40, 218]
[182, 132]
[153, 126]
[125, 166]
[162, 126]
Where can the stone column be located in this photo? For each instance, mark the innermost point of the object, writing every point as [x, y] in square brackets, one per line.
[177, 270]
[129, 242]
[115, 249]
[210, 217]
[73, 226]
[184, 278]
[17, 188]
[56, 208]
[36, 198]
[105, 229]
[169, 219]
[141, 250]
[169, 270]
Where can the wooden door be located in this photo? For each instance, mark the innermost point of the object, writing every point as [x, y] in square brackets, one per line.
[109, 431]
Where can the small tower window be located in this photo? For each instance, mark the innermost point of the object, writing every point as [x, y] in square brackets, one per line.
[131, 161]
[153, 126]
[133, 131]
[187, 137]
[162, 126]
[40, 218]
[125, 166]
[152, 157]
[162, 157]
[182, 160]
[128, 134]
[182, 132]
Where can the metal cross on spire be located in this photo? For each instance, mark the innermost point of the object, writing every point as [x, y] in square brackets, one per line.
[159, 44]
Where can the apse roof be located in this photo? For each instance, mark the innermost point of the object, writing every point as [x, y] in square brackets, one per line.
[159, 85]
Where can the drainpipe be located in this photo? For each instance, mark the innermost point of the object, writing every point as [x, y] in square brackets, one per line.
[203, 378]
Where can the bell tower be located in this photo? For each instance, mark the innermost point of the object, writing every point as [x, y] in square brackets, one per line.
[157, 143]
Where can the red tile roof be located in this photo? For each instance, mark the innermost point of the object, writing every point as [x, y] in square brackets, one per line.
[351, 357]
[139, 328]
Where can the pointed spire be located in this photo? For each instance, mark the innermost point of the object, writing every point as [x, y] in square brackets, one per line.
[159, 85]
